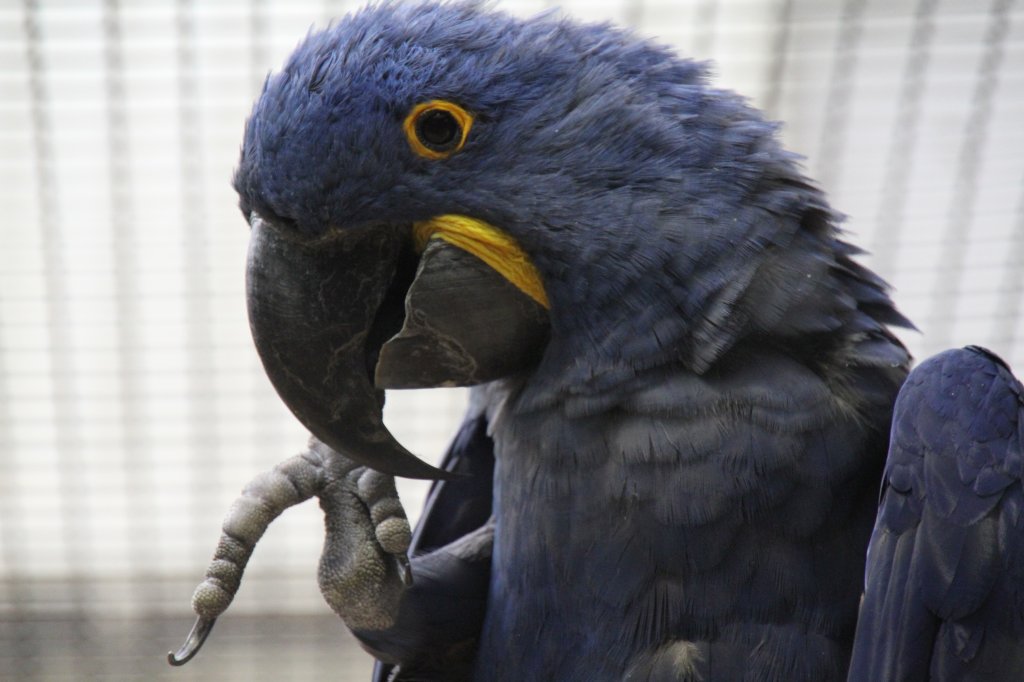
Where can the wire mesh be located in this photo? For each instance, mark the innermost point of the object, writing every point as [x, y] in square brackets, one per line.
[132, 406]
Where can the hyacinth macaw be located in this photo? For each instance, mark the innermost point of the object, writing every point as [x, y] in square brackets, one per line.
[683, 381]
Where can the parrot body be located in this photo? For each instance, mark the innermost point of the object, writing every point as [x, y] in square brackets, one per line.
[701, 527]
[671, 463]
[686, 479]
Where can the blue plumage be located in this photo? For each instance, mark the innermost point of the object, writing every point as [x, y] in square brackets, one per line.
[684, 485]
[945, 580]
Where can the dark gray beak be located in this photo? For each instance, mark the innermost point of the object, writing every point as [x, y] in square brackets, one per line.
[334, 315]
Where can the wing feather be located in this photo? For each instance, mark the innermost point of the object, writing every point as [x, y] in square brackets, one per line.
[944, 593]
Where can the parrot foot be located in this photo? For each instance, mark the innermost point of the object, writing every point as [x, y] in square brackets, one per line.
[364, 555]
[364, 567]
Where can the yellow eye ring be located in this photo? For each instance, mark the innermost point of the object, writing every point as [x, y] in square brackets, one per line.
[437, 129]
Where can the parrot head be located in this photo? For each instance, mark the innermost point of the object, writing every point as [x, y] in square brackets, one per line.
[443, 195]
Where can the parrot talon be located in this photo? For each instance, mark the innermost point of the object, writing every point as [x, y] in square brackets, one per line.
[193, 642]
[404, 569]
[263, 499]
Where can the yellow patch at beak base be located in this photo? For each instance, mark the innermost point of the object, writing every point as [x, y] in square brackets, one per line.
[489, 244]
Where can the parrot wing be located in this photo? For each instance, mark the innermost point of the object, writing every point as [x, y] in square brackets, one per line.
[460, 505]
[945, 576]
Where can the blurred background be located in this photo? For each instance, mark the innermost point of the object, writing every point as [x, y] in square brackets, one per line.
[132, 405]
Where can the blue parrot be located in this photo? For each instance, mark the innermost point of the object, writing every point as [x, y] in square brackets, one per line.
[683, 381]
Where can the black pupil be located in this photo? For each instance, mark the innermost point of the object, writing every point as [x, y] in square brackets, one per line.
[438, 130]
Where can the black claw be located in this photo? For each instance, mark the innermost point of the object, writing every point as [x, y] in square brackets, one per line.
[404, 569]
[193, 643]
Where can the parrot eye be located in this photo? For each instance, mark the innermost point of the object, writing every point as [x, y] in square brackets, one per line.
[437, 129]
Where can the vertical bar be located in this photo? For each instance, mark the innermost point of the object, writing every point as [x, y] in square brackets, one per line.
[1011, 292]
[335, 9]
[777, 65]
[705, 21]
[259, 38]
[136, 464]
[889, 222]
[16, 641]
[634, 14]
[14, 618]
[837, 102]
[200, 371]
[67, 431]
[950, 271]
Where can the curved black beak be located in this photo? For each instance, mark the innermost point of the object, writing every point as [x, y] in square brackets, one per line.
[313, 305]
[338, 318]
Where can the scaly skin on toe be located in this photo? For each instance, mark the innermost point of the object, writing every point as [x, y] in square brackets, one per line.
[362, 573]
[363, 567]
